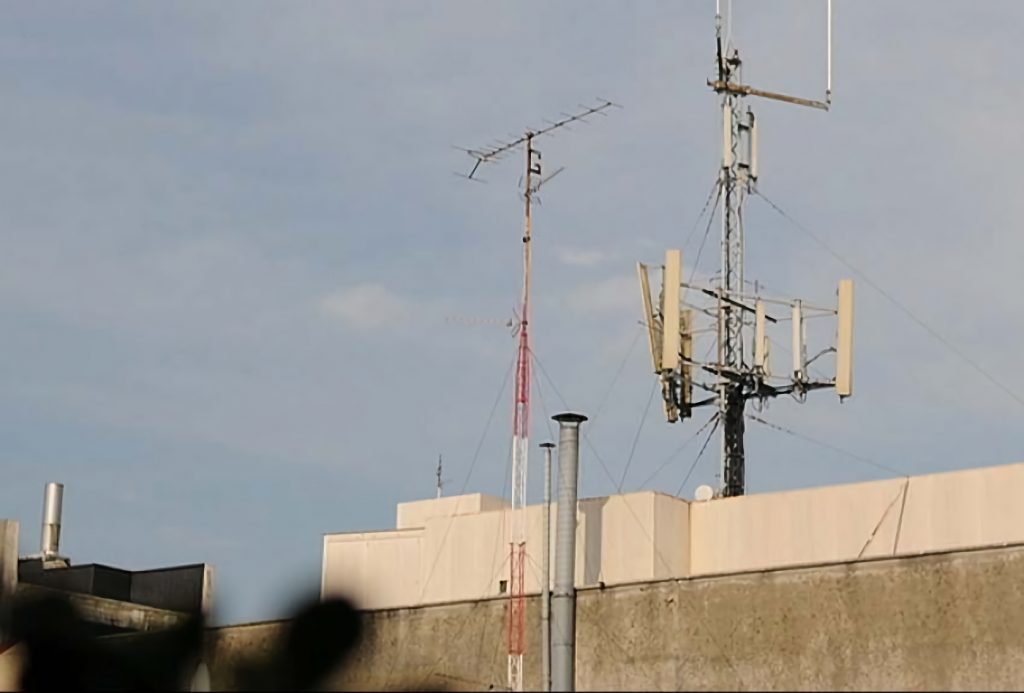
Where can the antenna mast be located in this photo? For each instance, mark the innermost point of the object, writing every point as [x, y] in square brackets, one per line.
[737, 377]
[533, 179]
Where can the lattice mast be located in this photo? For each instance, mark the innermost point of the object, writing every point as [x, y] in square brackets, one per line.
[738, 374]
[520, 448]
[737, 179]
[734, 186]
[533, 180]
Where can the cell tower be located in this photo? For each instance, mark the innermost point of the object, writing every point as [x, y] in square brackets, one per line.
[737, 375]
[533, 180]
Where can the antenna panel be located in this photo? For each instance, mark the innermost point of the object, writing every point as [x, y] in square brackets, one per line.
[746, 143]
[844, 340]
[671, 279]
[686, 337]
[726, 135]
[760, 337]
[651, 320]
[753, 147]
[799, 354]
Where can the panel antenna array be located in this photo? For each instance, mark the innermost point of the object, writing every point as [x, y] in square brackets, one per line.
[738, 373]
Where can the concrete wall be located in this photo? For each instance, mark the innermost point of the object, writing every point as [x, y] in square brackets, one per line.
[643, 536]
[11, 662]
[818, 525]
[112, 613]
[416, 513]
[936, 512]
[369, 567]
[10, 653]
[8, 558]
[941, 622]
[935, 622]
[464, 556]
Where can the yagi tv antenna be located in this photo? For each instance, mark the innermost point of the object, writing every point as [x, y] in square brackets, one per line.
[496, 151]
[533, 179]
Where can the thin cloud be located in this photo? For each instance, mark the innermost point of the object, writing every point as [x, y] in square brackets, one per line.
[615, 295]
[584, 257]
[367, 307]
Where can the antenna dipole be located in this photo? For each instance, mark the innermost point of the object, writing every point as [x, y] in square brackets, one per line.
[533, 180]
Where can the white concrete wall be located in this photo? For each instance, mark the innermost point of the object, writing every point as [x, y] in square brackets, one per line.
[966, 508]
[457, 554]
[936, 512]
[672, 535]
[373, 568]
[817, 525]
[416, 513]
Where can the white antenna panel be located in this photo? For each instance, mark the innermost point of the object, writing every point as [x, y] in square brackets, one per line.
[798, 342]
[828, 51]
[726, 135]
[760, 337]
[651, 321]
[671, 280]
[844, 340]
[746, 143]
[753, 147]
[686, 335]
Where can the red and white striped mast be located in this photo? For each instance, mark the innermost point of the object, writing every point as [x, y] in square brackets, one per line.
[521, 410]
[520, 447]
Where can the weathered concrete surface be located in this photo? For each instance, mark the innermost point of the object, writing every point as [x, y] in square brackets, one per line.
[11, 663]
[937, 622]
[948, 622]
[8, 558]
[453, 647]
[111, 612]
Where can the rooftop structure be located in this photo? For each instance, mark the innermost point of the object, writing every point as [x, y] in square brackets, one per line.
[450, 549]
[110, 599]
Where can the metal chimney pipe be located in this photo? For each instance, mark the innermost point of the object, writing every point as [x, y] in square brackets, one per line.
[53, 501]
[545, 585]
[563, 607]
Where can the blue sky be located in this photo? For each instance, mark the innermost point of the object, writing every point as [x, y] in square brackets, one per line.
[231, 240]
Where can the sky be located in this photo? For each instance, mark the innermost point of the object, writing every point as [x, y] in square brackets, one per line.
[244, 301]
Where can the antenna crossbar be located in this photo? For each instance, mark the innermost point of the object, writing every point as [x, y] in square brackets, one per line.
[745, 90]
[494, 151]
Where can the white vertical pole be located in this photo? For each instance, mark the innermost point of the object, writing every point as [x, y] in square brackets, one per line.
[759, 335]
[798, 341]
[545, 580]
[828, 60]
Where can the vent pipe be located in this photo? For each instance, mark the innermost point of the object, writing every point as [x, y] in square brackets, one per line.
[563, 606]
[545, 580]
[53, 501]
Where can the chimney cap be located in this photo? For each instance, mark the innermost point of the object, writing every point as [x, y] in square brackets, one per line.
[569, 417]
